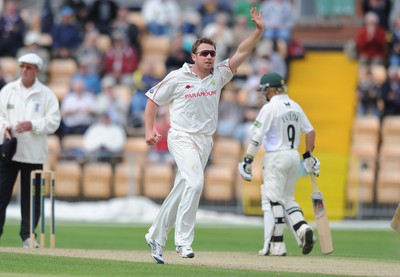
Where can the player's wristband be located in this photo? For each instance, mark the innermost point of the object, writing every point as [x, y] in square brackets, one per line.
[307, 155]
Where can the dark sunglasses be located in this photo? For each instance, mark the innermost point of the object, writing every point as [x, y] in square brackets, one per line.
[205, 53]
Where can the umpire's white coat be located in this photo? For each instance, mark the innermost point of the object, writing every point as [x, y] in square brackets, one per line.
[37, 104]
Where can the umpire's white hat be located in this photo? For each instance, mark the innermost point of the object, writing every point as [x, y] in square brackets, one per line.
[31, 59]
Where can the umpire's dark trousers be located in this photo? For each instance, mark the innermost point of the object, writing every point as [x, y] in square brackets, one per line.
[8, 175]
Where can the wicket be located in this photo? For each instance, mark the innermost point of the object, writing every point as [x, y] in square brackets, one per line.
[51, 177]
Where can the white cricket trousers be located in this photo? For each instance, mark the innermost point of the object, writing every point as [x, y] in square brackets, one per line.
[191, 153]
[280, 172]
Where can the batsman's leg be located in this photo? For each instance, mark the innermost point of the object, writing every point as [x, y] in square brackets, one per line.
[277, 246]
[269, 222]
[300, 226]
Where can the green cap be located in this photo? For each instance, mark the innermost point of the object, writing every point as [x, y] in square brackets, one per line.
[271, 79]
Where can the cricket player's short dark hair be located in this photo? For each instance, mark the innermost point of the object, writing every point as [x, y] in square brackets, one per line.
[202, 40]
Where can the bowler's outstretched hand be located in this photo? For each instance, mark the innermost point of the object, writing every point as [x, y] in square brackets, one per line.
[256, 17]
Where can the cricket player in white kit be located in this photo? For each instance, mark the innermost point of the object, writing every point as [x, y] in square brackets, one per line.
[278, 127]
[192, 93]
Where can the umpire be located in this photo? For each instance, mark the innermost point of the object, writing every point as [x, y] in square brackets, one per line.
[29, 111]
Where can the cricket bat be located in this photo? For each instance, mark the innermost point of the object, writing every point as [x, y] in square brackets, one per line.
[395, 223]
[321, 218]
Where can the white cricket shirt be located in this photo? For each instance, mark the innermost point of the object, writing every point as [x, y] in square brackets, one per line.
[280, 123]
[193, 102]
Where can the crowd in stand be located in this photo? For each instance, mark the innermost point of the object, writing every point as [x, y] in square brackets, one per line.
[378, 50]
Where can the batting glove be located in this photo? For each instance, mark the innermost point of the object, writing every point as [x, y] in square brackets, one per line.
[245, 169]
[311, 163]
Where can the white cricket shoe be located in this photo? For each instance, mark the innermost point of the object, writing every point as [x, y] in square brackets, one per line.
[27, 243]
[307, 239]
[156, 250]
[263, 252]
[277, 249]
[185, 251]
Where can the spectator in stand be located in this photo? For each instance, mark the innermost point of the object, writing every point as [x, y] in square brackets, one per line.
[144, 80]
[46, 17]
[267, 52]
[111, 103]
[12, 30]
[240, 30]
[371, 41]
[77, 109]
[242, 8]
[279, 20]
[162, 17]
[130, 30]
[92, 80]
[66, 35]
[90, 53]
[394, 45]
[367, 93]
[178, 53]
[230, 112]
[381, 8]
[159, 153]
[389, 102]
[102, 13]
[254, 102]
[104, 141]
[121, 60]
[220, 32]
[209, 9]
[32, 43]
[81, 11]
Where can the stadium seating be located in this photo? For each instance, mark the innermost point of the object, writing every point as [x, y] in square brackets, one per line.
[363, 159]
[68, 179]
[157, 180]
[9, 66]
[136, 150]
[219, 183]
[54, 147]
[96, 182]
[59, 89]
[61, 70]
[226, 151]
[391, 129]
[127, 180]
[388, 188]
[366, 129]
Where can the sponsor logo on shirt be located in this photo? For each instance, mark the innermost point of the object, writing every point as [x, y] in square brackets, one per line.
[257, 124]
[200, 94]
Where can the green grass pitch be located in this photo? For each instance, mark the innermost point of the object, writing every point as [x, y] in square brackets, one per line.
[374, 245]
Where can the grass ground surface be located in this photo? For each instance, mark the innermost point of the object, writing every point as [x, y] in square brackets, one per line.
[120, 250]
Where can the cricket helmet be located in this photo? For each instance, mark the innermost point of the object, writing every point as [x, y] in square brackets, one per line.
[271, 79]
